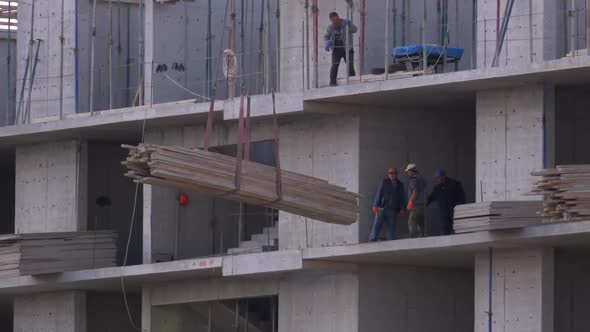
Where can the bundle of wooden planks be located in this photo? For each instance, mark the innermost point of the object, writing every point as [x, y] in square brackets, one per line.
[495, 215]
[214, 174]
[40, 253]
[566, 191]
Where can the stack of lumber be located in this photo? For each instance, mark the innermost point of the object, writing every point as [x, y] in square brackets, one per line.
[40, 253]
[214, 174]
[495, 215]
[567, 192]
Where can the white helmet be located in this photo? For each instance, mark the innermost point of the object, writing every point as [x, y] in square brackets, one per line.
[410, 167]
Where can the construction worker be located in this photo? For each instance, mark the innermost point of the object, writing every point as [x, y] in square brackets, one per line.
[334, 38]
[389, 202]
[448, 193]
[416, 202]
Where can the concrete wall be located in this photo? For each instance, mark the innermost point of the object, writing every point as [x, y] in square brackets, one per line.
[7, 191]
[515, 135]
[522, 290]
[572, 292]
[324, 146]
[64, 312]
[429, 138]
[187, 21]
[327, 302]
[415, 299]
[106, 180]
[106, 312]
[543, 22]
[572, 126]
[50, 185]
[8, 97]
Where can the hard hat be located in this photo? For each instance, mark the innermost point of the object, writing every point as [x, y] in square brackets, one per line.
[440, 172]
[410, 167]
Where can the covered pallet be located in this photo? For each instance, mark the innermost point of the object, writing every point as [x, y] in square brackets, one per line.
[495, 215]
[214, 174]
[40, 253]
[566, 191]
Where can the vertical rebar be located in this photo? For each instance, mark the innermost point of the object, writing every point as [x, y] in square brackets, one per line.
[259, 74]
[119, 48]
[92, 42]
[237, 316]
[232, 42]
[386, 58]
[423, 37]
[531, 53]
[242, 43]
[306, 44]
[404, 14]
[303, 71]
[27, 114]
[572, 27]
[20, 109]
[209, 71]
[474, 36]
[61, 61]
[140, 64]
[485, 43]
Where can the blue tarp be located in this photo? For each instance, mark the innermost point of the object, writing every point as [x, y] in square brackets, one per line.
[455, 53]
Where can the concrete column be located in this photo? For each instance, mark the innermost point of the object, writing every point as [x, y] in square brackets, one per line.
[515, 135]
[522, 290]
[51, 187]
[51, 190]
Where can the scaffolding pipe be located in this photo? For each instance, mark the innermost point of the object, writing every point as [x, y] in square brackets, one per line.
[259, 74]
[61, 61]
[8, 66]
[504, 30]
[387, 19]
[303, 72]
[404, 19]
[209, 71]
[232, 44]
[27, 115]
[423, 37]
[278, 46]
[573, 27]
[394, 24]
[140, 55]
[498, 21]
[347, 34]
[237, 316]
[110, 54]
[305, 41]
[128, 57]
[209, 317]
[92, 42]
[20, 108]
[267, 58]
[531, 30]
[363, 36]
[315, 11]
[474, 36]
[242, 43]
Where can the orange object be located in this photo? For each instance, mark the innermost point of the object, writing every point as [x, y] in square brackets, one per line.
[183, 199]
[375, 209]
[410, 206]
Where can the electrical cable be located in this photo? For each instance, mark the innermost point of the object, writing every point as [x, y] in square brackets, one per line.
[184, 88]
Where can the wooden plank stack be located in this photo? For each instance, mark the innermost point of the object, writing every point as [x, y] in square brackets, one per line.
[214, 174]
[566, 191]
[40, 253]
[495, 215]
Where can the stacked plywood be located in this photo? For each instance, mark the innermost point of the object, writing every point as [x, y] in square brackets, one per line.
[495, 215]
[39, 253]
[567, 192]
[214, 174]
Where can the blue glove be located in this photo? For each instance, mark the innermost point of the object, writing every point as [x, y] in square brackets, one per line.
[348, 22]
[328, 46]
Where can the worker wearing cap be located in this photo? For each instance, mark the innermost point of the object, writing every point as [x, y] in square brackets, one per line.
[389, 202]
[448, 193]
[334, 38]
[416, 202]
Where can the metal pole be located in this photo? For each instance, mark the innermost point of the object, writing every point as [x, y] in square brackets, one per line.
[209, 318]
[110, 54]
[278, 46]
[118, 40]
[386, 58]
[27, 115]
[259, 74]
[237, 318]
[246, 316]
[274, 313]
[8, 66]
[241, 223]
[267, 69]
[140, 54]
[232, 41]
[242, 42]
[209, 72]
[93, 37]
[423, 35]
[572, 27]
[61, 62]
[20, 110]
[306, 43]
[485, 43]
[303, 73]
[474, 36]
[404, 13]
[531, 30]
[346, 46]
[316, 47]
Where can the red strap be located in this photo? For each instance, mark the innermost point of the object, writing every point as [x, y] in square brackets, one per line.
[240, 145]
[277, 157]
[248, 133]
[209, 128]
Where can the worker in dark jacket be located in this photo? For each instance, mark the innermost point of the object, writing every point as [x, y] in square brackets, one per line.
[388, 203]
[339, 40]
[448, 193]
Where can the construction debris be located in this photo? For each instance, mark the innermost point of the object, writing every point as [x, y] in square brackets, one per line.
[214, 174]
[566, 191]
[495, 215]
[40, 253]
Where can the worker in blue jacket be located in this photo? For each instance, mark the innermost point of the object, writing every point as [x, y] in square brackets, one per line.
[388, 204]
[448, 193]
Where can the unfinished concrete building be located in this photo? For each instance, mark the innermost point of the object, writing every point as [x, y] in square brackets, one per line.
[83, 77]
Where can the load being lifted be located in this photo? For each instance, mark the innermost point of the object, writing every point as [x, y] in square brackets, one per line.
[238, 179]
